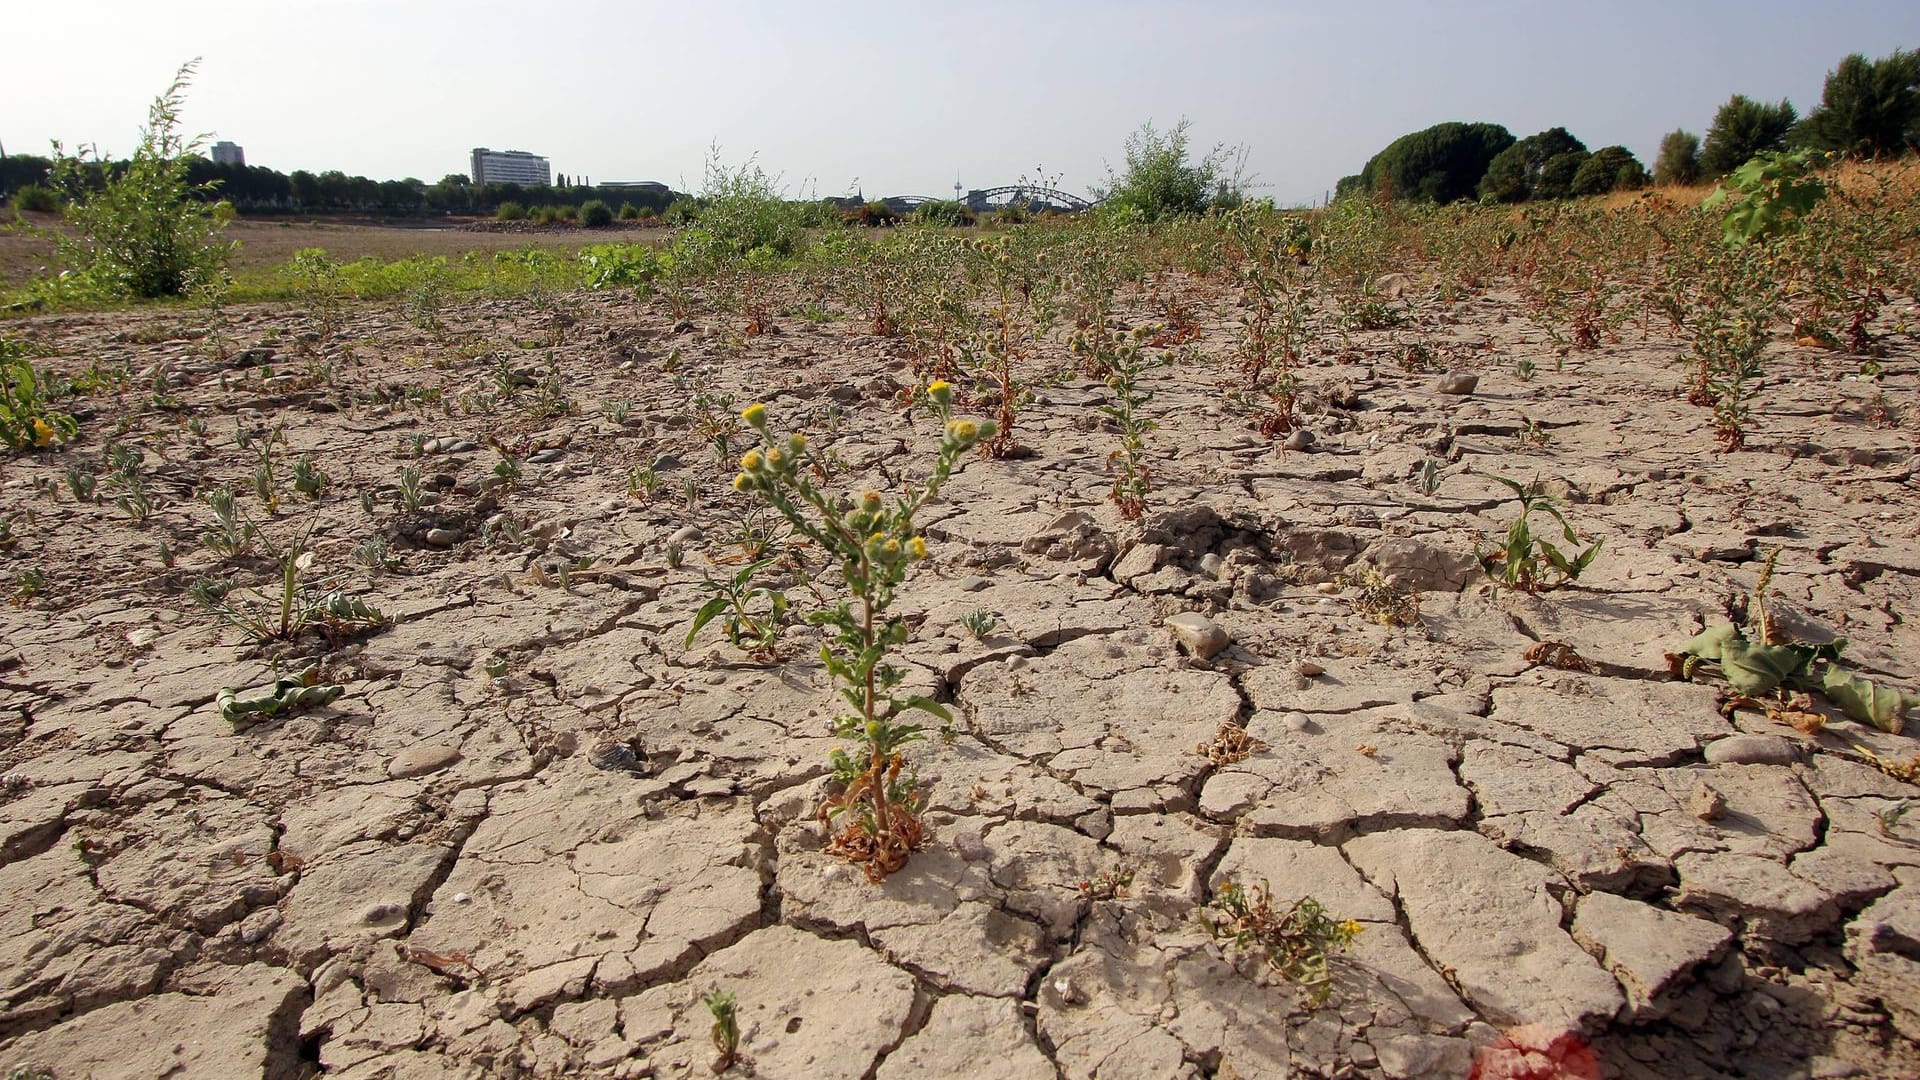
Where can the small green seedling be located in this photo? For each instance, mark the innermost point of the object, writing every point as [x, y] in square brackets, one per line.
[979, 622]
[1525, 560]
[726, 1027]
[733, 597]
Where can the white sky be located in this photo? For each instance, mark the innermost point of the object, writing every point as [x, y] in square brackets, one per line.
[901, 98]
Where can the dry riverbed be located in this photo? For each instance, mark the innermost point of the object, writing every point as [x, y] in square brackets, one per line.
[534, 828]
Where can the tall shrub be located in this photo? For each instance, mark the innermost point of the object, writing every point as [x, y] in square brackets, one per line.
[144, 231]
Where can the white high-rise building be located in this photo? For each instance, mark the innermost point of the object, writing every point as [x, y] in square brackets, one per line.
[510, 167]
[226, 153]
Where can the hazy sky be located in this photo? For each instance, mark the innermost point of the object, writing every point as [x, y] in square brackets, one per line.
[902, 98]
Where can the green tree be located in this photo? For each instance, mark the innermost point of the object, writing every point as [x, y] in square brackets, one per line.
[1610, 168]
[595, 214]
[144, 232]
[1869, 108]
[1742, 128]
[1515, 174]
[1441, 164]
[1679, 160]
[1162, 181]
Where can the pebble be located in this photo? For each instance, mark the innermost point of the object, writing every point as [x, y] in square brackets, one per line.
[972, 584]
[546, 457]
[1212, 564]
[1752, 750]
[143, 637]
[688, 535]
[1459, 383]
[1298, 721]
[442, 537]
[1201, 635]
[1310, 669]
[1299, 440]
[1707, 803]
[970, 846]
[421, 760]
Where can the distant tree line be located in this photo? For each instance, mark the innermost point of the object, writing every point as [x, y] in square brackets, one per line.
[1868, 109]
[255, 189]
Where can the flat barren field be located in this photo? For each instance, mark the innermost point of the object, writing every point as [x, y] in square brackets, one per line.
[265, 245]
[501, 817]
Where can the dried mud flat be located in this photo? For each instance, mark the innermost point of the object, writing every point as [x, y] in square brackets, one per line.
[435, 876]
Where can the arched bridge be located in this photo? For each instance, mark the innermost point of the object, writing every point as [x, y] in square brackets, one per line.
[1029, 196]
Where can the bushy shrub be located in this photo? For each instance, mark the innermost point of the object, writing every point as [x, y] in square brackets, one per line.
[628, 212]
[741, 210]
[945, 212]
[510, 211]
[144, 232]
[1868, 108]
[1442, 164]
[594, 214]
[1679, 160]
[1742, 128]
[567, 212]
[1162, 182]
[37, 199]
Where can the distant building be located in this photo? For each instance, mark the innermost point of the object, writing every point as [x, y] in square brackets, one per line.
[641, 187]
[510, 167]
[226, 153]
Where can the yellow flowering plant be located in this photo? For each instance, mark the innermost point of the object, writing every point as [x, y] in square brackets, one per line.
[873, 541]
[26, 421]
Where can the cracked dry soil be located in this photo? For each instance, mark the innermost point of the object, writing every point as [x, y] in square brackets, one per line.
[537, 872]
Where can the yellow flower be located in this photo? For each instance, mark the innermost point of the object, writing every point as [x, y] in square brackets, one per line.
[742, 482]
[870, 500]
[940, 391]
[775, 458]
[752, 461]
[755, 415]
[1350, 928]
[964, 430]
[918, 545]
[42, 432]
[892, 548]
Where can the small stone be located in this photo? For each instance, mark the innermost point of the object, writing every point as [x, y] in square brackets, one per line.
[970, 846]
[143, 637]
[1327, 587]
[1299, 440]
[1201, 635]
[614, 756]
[1298, 721]
[1752, 750]
[546, 457]
[972, 584]
[1458, 383]
[1310, 669]
[690, 534]
[1707, 803]
[1212, 564]
[462, 898]
[421, 760]
[442, 537]
[1015, 663]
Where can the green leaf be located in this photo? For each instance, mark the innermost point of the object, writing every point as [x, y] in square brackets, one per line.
[1707, 644]
[1759, 669]
[1866, 701]
[708, 612]
[929, 706]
